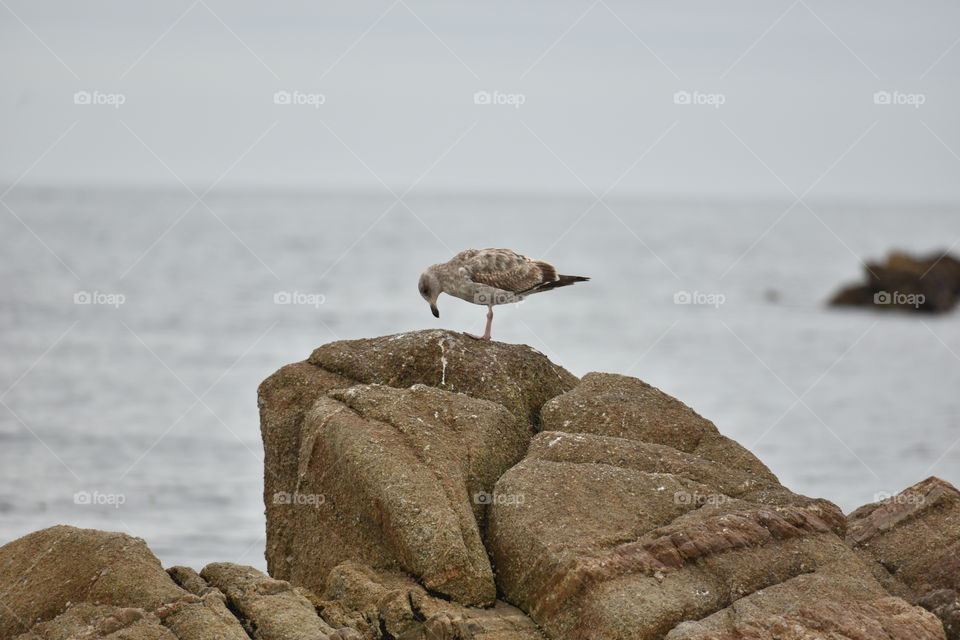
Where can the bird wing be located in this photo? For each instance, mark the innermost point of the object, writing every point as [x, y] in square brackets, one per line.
[507, 270]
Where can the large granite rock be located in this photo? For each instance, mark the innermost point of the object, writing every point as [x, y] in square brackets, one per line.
[635, 519]
[929, 284]
[271, 609]
[881, 619]
[394, 474]
[915, 536]
[87, 621]
[44, 575]
[392, 605]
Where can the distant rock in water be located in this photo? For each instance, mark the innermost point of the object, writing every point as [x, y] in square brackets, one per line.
[926, 284]
[429, 486]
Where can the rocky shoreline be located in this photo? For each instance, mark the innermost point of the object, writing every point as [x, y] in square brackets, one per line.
[431, 486]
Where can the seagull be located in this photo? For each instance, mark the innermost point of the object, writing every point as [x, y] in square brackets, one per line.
[489, 277]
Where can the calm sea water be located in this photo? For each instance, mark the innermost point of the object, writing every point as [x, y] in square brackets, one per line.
[143, 402]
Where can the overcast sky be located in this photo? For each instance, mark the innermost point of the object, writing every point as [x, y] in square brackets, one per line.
[786, 92]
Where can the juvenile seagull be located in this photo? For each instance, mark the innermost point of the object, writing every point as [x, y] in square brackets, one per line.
[488, 277]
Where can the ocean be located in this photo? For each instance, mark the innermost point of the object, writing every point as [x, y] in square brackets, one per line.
[137, 324]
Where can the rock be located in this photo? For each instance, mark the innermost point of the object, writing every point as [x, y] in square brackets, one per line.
[929, 284]
[613, 405]
[206, 619]
[945, 604]
[880, 619]
[915, 535]
[514, 375]
[47, 574]
[271, 609]
[452, 559]
[189, 580]
[87, 621]
[398, 470]
[633, 515]
[398, 607]
[283, 399]
[69, 565]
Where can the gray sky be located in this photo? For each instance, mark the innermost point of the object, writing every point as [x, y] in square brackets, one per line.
[597, 82]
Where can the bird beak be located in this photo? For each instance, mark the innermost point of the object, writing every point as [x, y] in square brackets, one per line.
[436, 312]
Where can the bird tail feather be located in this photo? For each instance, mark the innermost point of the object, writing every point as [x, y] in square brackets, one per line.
[561, 281]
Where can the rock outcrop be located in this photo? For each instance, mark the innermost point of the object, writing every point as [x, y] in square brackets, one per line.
[387, 449]
[903, 282]
[429, 486]
[915, 536]
[636, 519]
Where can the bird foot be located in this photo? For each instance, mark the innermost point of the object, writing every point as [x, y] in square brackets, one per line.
[476, 337]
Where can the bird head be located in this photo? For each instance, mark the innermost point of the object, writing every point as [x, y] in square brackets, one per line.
[430, 290]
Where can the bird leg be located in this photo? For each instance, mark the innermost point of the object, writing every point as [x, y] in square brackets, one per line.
[486, 333]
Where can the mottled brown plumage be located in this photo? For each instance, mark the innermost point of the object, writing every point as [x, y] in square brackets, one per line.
[507, 270]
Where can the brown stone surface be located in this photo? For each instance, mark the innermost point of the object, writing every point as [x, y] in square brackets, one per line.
[945, 604]
[398, 470]
[271, 609]
[633, 515]
[881, 619]
[284, 398]
[609, 404]
[393, 525]
[514, 375]
[87, 621]
[915, 535]
[41, 573]
[393, 605]
[48, 574]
